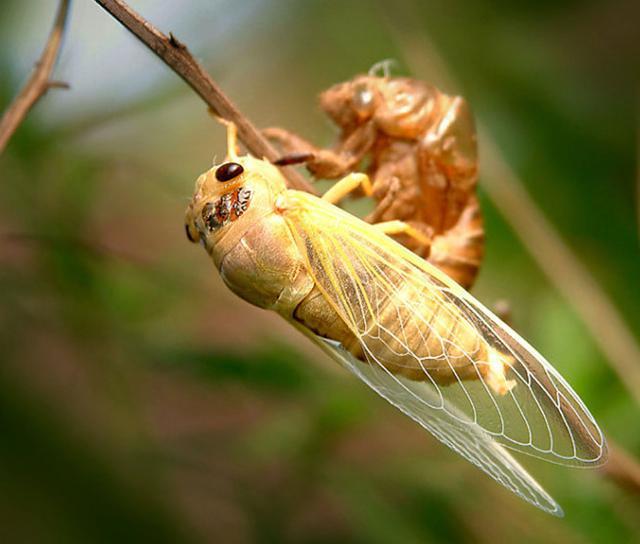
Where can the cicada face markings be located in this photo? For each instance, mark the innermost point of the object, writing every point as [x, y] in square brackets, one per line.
[229, 207]
[241, 203]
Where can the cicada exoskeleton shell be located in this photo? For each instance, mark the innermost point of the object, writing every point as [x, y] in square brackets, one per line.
[421, 146]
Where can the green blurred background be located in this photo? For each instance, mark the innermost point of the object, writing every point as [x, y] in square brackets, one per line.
[142, 401]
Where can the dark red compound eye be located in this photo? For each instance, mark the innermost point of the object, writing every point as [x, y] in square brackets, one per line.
[228, 171]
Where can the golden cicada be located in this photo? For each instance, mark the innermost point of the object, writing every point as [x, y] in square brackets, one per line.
[398, 323]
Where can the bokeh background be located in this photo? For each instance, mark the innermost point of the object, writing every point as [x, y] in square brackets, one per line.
[141, 401]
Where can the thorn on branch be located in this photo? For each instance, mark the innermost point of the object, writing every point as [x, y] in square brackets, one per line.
[58, 85]
[175, 42]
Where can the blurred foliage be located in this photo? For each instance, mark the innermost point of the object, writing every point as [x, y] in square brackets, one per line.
[140, 400]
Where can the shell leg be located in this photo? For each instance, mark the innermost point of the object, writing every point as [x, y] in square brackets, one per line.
[289, 142]
[323, 163]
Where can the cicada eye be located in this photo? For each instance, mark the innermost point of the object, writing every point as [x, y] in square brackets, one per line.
[228, 171]
[363, 98]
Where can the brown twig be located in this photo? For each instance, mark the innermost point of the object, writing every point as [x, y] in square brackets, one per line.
[622, 468]
[39, 82]
[177, 57]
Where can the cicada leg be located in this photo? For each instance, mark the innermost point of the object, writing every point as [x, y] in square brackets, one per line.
[350, 183]
[232, 136]
[324, 163]
[289, 142]
[400, 227]
[347, 185]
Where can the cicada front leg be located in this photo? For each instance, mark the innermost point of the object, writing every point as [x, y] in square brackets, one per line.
[324, 163]
[288, 142]
[355, 181]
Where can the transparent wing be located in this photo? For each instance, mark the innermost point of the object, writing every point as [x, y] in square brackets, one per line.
[468, 440]
[381, 290]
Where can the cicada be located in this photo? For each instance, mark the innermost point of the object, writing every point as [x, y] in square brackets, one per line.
[399, 324]
[420, 149]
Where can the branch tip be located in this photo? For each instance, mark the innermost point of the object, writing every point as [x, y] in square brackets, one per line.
[39, 82]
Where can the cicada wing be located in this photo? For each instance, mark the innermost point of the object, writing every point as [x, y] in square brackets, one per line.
[455, 430]
[371, 281]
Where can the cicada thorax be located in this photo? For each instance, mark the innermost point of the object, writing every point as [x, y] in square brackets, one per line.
[235, 216]
[447, 159]
[265, 268]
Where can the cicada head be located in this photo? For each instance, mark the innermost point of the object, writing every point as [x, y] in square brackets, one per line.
[399, 106]
[231, 196]
[352, 102]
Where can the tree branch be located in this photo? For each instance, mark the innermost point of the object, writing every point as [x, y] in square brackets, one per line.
[39, 82]
[177, 57]
[622, 468]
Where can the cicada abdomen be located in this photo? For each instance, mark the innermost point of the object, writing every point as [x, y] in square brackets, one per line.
[414, 332]
[458, 251]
